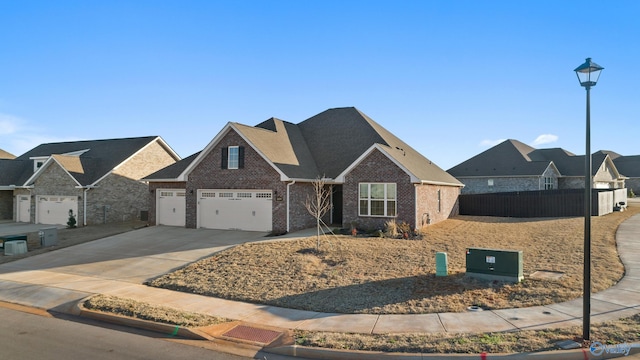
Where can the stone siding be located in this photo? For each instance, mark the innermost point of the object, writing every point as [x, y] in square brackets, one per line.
[116, 199]
[56, 181]
[377, 168]
[574, 182]
[150, 159]
[430, 210]
[6, 205]
[120, 196]
[257, 174]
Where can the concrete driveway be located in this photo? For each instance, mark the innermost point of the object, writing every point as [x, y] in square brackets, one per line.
[8, 227]
[135, 256]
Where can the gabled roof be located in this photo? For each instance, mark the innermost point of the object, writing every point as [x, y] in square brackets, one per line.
[283, 144]
[173, 171]
[628, 165]
[6, 155]
[509, 158]
[328, 144]
[513, 158]
[85, 161]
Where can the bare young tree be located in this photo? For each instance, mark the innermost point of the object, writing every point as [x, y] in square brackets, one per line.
[319, 204]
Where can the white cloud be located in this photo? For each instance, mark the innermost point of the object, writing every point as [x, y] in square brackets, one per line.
[545, 139]
[17, 137]
[488, 143]
[9, 124]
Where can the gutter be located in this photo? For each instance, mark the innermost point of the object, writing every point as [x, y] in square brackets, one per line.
[85, 189]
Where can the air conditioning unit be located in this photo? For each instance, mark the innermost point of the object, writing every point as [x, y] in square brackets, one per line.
[16, 247]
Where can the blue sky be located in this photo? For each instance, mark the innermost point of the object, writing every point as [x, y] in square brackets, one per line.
[451, 78]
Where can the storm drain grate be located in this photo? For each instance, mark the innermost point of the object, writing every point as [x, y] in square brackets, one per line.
[252, 334]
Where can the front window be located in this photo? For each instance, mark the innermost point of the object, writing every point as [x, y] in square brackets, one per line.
[233, 157]
[548, 183]
[377, 199]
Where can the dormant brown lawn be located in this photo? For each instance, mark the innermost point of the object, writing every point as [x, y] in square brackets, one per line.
[389, 276]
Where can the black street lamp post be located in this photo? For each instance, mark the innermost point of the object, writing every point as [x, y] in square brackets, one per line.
[588, 74]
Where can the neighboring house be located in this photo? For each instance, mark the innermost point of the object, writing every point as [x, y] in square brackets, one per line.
[629, 166]
[98, 180]
[258, 177]
[514, 166]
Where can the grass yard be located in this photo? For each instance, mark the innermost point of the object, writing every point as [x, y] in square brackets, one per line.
[388, 276]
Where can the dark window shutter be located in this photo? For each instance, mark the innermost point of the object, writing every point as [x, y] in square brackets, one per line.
[240, 157]
[225, 157]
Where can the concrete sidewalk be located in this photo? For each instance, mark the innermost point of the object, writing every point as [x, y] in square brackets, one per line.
[53, 285]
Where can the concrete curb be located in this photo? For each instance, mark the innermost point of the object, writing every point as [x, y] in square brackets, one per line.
[333, 354]
[167, 329]
[327, 354]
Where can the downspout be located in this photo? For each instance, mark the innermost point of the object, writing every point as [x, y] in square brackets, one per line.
[289, 203]
[415, 207]
[84, 206]
[85, 189]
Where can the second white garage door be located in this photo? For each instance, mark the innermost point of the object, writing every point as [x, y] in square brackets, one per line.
[54, 210]
[249, 210]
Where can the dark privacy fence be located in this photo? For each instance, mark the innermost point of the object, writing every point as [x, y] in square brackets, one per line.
[542, 203]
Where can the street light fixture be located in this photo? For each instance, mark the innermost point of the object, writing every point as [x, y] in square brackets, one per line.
[588, 74]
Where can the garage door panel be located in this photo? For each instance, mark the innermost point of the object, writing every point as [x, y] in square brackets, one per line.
[235, 210]
[170, 207]
[54, 210]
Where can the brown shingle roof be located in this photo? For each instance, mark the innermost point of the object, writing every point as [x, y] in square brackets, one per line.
[328, 143]
[6, 155]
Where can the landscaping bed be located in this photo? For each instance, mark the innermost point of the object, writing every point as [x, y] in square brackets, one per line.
[349, 274]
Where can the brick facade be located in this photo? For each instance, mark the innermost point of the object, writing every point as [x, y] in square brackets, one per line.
[377, 168]
[299, 217]
[436, 203]
[256, 174]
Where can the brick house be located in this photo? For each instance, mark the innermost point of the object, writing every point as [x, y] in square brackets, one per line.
[514, 166]
[98, 180]
[258, 177]
[630, 167]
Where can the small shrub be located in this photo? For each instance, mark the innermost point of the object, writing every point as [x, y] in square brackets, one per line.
[631, 193]
[71, 223]
[391, 228]
[405, 229]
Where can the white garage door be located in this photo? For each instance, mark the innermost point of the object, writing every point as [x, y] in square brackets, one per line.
[235, 209]
[54, 210]
[24, 208]
[170, 207]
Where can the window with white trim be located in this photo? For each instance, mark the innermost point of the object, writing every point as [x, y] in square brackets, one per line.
[234, 152]
[377, 199]
[548, 183]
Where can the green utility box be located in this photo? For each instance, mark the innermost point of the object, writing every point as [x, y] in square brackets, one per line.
[6, 238]
[442, 264]
[494, 264]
